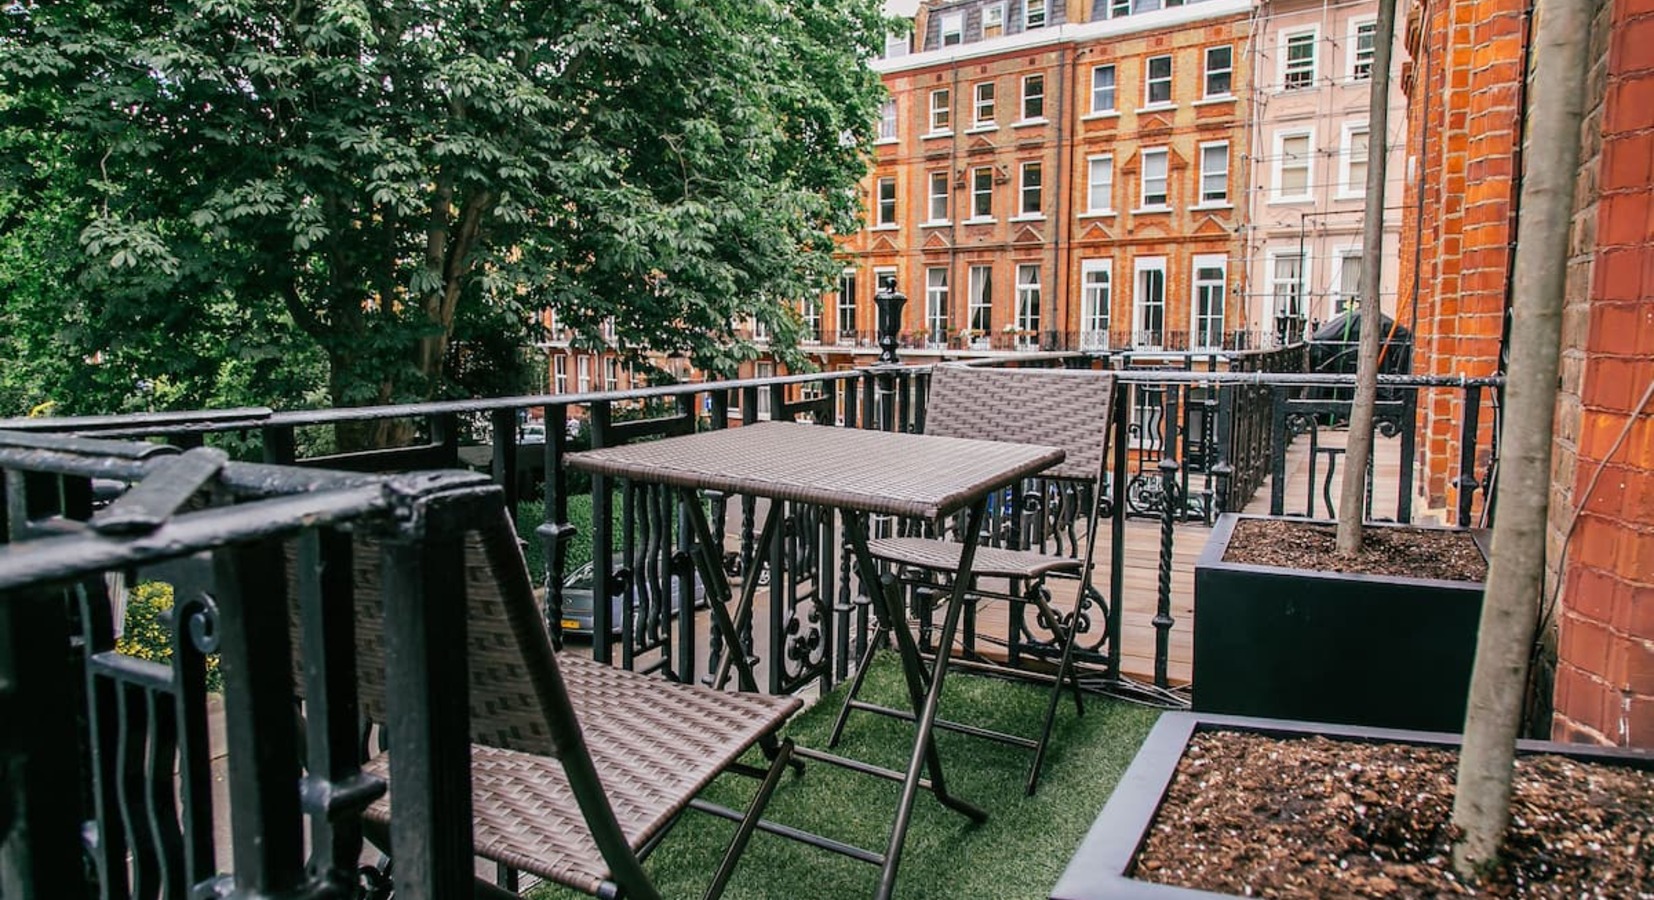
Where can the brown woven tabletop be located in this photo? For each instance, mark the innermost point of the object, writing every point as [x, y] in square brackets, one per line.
[872, 471]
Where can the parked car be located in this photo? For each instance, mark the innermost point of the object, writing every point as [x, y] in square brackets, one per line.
[577, 598]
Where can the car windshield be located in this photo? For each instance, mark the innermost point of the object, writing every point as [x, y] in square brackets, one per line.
[580, 578]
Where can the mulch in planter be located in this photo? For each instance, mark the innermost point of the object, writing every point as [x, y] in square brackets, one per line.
[1252, 815]
[1403, 551]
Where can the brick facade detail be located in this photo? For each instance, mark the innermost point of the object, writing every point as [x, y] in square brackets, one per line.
[1602, 510]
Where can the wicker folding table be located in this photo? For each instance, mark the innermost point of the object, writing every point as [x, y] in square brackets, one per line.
[860, 473]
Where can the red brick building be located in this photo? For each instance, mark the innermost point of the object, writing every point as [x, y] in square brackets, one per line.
[1062, 176]
[1465, 115]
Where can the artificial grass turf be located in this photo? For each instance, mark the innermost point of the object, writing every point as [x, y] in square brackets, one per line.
[1018, 853]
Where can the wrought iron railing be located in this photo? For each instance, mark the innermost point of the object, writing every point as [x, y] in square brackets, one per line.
[1218, 425]
[108, 777]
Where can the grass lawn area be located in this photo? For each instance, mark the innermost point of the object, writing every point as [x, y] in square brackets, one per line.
[1018, 853]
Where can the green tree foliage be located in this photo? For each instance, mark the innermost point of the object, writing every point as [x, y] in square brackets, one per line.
[378, 174]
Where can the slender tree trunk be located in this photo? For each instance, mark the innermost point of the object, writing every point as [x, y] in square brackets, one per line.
[1352, 503]
[1516, 572]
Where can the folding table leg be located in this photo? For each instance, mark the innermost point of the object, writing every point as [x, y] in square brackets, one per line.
[925, 703]
[726, 624]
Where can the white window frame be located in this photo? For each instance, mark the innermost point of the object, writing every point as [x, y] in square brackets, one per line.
[1285, 66]
[952, 24]
[1149, 81]
[1139, 330]
[611, 373]
[1035, 78]
[1099, 202]
[1344, 295]
[880, 220]
[1196, 333]
[1281, 137]
[845, 302]
[977, 192]
[1353, 61]
[1347, 160]
[984, 112]
[1028, 18]
[997, 10]
[882, 274]
[560, 374]
[1031, 169]
[763, 369]
[1096, 303]
[1113, 90]
[936, 201]
[1029, 297]
[1118, 8]
[1164, 154]
[941, 115]
[583, 374]
[1201, 200]
[936, 304]
[1274, 282]
[1207, 72]
[888, 133]
[897, 45]
[979, 316]
[810, 312]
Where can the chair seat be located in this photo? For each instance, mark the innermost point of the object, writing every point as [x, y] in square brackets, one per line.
[929, 553]
[655, 745]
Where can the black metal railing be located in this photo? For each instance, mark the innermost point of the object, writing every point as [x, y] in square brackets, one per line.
[110, 794]
[1199, 438]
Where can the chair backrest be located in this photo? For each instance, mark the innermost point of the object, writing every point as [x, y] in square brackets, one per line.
[514, 682]
[1055, 407]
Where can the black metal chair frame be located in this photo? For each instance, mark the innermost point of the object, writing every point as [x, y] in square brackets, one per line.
[930, 583]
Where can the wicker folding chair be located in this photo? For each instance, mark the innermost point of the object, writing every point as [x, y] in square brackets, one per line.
[577, 768]
[1067, 409]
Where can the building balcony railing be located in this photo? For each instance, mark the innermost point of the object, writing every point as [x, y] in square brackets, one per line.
[1224, 432]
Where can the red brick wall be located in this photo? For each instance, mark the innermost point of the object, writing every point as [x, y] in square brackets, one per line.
[1462, 78]
[1605, 668]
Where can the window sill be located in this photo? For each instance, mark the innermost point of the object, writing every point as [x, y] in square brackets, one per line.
[892, 227]
[936, 223]
[1030, 123]
[1212, 206]
[1028, 217]
[1099, 214]
[933, 135]
[982, 129]
[1156, 107]
[1215, 100]
[1142, 210]
[885, 142]
[1289, 201]
[1354, 195]
[981, 220]
[1105, 114]
[1353, 81]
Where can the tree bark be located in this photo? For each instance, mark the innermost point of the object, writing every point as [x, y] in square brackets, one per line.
[1352, 502]
[1516, 571]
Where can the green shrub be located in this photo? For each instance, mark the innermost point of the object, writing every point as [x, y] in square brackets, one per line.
[147, 634]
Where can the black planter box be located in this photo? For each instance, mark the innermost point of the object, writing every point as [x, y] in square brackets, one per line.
[1331, 647]
[1102, 868]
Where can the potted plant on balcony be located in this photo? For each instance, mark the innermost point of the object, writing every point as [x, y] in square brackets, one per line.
[1375, 811]
[1295, 619]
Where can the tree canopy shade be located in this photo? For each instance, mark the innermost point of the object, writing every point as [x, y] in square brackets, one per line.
[379, 173]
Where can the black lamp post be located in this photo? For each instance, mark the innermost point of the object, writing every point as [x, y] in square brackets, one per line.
[889, 302]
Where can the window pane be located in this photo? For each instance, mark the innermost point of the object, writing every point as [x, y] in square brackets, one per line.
[1100, 185]
[1034, 14]
[1033, 97]
[887, 121]
[1214, 173]
[940, 110]
[984, 103]
[1357, 163]
[887, 201]
[1219, 67]
[1102, 89]
[982, 299]
[1295, 165]
[938, 196]
[982, 192]
[1154, 178]
[1160, 79]
[1365, 38]
[993, 20]
[1030, 189]
[1300, 61]
[953, 29]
